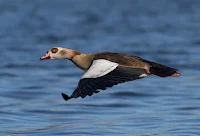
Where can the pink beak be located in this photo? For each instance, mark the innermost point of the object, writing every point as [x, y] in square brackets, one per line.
[45, 57]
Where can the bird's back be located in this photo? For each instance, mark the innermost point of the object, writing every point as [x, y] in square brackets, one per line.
[123, 59]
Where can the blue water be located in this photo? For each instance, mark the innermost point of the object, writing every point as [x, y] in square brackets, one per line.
[164, 31]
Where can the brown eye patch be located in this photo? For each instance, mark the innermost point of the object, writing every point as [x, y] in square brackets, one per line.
[54, 50]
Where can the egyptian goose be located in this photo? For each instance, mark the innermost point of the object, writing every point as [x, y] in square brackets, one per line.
[105, 69]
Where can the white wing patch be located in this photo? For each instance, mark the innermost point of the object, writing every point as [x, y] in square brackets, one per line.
[100, 68]
[143, 75]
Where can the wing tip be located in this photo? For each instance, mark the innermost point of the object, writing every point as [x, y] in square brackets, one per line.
[66, 97]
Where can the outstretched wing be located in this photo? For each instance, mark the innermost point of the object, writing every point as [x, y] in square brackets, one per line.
[103, 74]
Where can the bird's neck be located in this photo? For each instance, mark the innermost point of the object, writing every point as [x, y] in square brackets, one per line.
[83, 61]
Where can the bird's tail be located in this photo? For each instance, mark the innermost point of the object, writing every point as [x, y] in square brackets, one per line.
[163, 71]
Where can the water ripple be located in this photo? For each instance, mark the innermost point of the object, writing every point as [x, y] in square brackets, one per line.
[130, 94]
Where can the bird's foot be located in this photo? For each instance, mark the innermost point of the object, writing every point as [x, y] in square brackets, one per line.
[66, 97]
[176, 74]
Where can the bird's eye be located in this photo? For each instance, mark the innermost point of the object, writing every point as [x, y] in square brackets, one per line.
[54, 50]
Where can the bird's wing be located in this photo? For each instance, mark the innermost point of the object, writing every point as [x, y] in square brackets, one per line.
[103, 74]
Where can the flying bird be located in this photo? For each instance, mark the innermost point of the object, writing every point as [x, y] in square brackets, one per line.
[106, 69]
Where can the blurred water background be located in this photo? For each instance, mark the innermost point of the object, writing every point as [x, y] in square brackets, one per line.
[165, 31]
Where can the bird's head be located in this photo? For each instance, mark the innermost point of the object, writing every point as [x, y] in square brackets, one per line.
[59, 53]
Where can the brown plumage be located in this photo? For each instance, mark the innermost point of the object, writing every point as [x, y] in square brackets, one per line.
[122, 59]
[106, 69]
